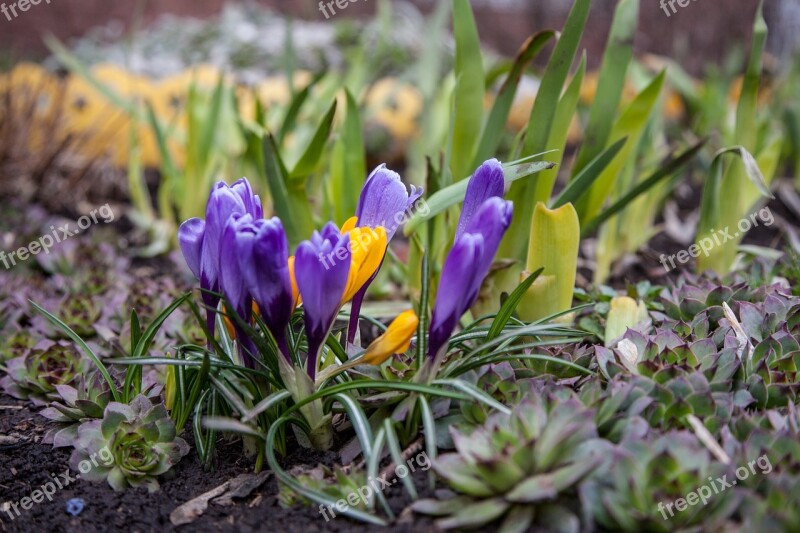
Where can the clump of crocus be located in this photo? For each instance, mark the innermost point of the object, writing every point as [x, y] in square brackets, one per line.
[35, 375]
[239, 254]
[133, 445]
[485, 217]
[514, 468]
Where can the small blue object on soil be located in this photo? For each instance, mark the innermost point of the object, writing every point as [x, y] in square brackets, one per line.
[75, 506]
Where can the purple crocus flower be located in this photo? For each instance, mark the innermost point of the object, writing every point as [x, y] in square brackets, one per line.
[232, 279]
[481, 228]
[200, 240]
[263, 255]
[486, 182]
[321, 285]
[383, 202]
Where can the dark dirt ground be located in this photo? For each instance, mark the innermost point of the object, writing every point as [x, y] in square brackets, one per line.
[27, 465]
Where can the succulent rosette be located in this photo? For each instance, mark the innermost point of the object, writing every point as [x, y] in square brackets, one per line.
[138, 442]
[512, 470]
[35, 375]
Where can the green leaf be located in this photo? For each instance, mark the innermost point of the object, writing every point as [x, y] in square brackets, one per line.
[510, 305]
[581, 183]
[560, 131]
[631, 124]
[475, 515]
[498, 117]
[289, 480]
[469, 91]
[310, 158]
[290, 205]
[668, 169]
[77, 340]
[540, 126]
[348, 166]
[397, 455]
[610, 83]
[453, 194]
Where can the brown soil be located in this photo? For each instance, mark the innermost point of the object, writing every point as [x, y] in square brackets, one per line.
[27, 465]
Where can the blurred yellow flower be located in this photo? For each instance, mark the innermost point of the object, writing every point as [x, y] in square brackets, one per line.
[395, 106]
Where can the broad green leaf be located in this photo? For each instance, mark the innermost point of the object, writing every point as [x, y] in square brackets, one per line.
[610, 83]
[541, 124]
[559, 132]
[498, 117]
[470, 89]
[553, 246]
[348, 167]
[313, 152]
[630, 124]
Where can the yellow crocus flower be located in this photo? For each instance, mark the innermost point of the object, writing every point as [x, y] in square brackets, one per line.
[396, 339]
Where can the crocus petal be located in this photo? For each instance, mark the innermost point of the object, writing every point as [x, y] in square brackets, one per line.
[231, 280]
[222, 204]
[368, 247]
[396, 339]
[190, 239]
[491, 221]
[251, 201]
[458, 280]
[295, 291]
[322, 284]
[263, 255]
[485, 183]
[349, 224]
[384, 199]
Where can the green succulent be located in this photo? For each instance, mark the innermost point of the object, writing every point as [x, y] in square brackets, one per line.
[86, 400]
[499, 382]
[35, 375]
[514, 468]
[138, 440]
[636, 490]
[80, 312]
[336, 483]
[14, 344]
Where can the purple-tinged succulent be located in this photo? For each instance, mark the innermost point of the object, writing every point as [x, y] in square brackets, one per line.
[35, 375]
[133, 445]
[512, 470]
[85, 400]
